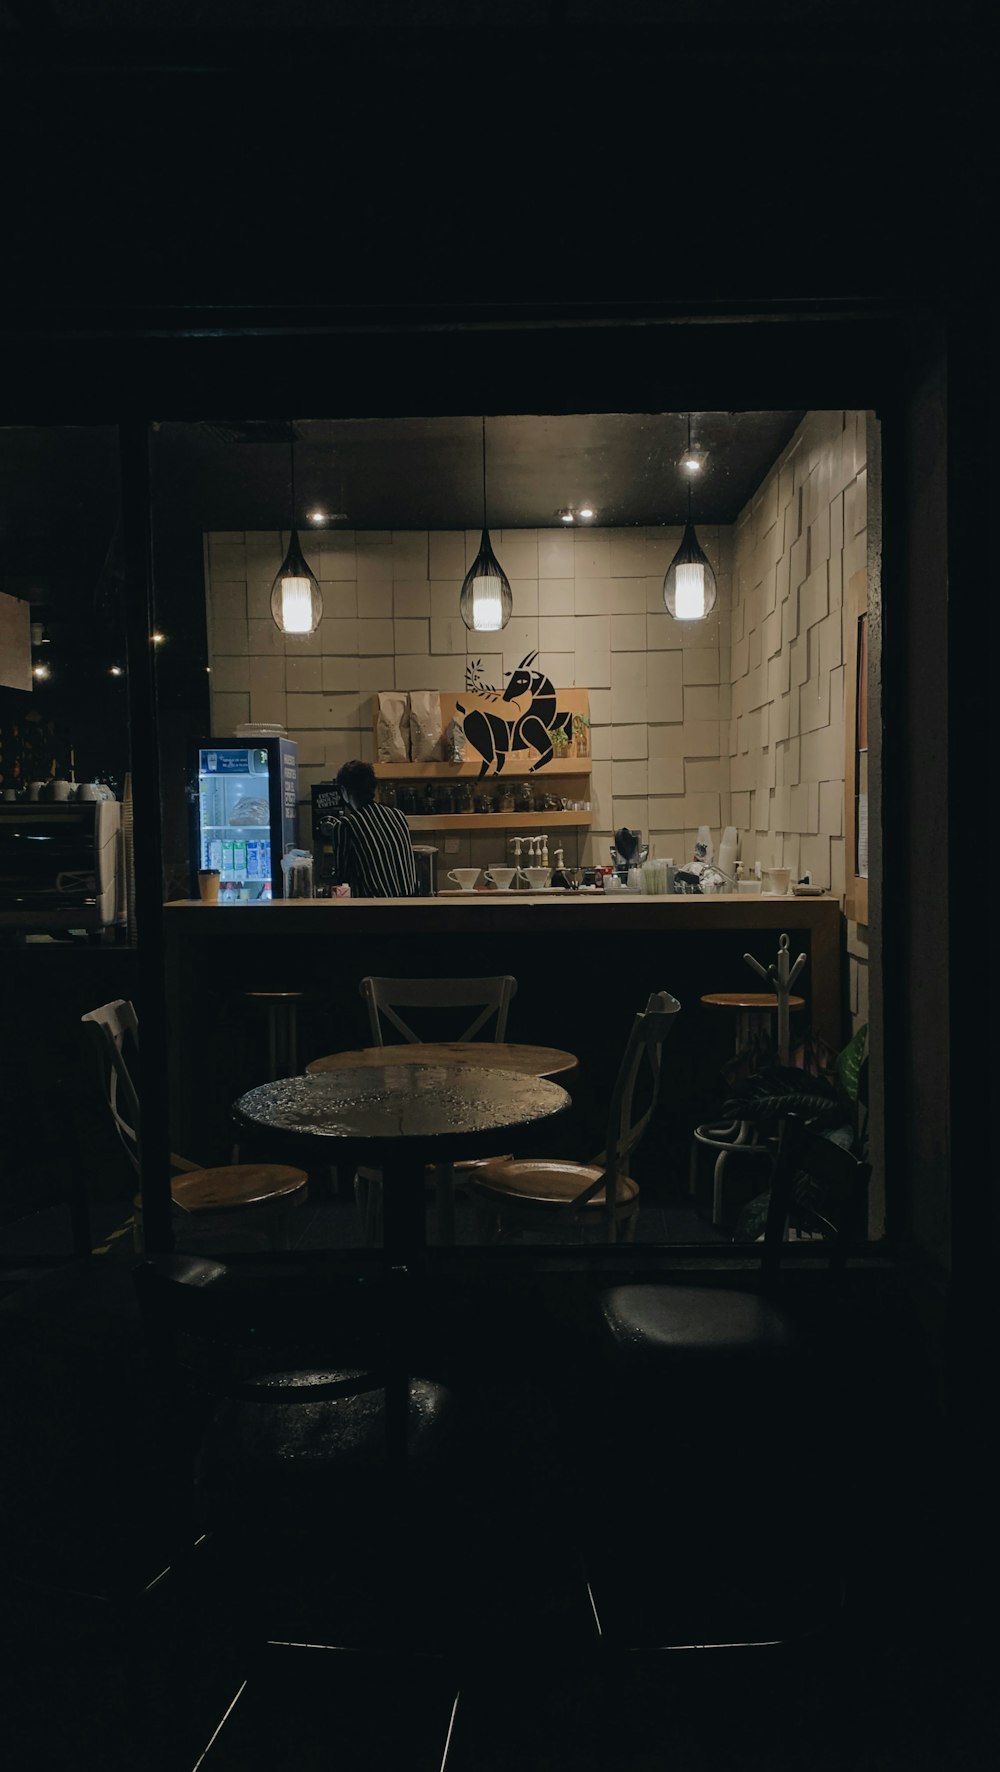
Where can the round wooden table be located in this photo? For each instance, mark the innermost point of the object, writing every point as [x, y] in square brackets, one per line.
[527, 1061]
[400, 1119]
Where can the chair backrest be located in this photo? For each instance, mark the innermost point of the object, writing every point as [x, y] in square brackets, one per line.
[489, 996]
[626, 1128]
[825, 1183]
[114, 1031]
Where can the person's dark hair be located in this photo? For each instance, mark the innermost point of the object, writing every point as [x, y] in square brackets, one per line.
[356, 781]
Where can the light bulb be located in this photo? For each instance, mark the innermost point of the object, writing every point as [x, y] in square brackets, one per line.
[41, 671]
[586, 512]
[487, 605]
[690, 592]
[296, 606]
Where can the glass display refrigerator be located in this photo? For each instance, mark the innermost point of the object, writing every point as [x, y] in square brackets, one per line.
[245, 815]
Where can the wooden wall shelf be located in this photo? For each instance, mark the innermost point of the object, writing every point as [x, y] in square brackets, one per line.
[496, 821]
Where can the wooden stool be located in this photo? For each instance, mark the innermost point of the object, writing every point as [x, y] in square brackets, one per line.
[282, 1030]
[270, 1189]
[751, 1009]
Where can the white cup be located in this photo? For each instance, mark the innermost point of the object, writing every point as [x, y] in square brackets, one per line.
[88, 790]
[751, 887]
[10, 794]
[538, 878]
[777, 881]
[464, 877]
[35, 789]
[60, 789]
[501, 877]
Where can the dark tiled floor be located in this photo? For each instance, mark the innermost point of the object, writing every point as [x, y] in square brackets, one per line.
[95, 1501]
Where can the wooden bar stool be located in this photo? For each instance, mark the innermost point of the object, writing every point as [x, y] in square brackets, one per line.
[753, 1011]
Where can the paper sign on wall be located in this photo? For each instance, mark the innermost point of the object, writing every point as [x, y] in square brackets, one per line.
[15, 643]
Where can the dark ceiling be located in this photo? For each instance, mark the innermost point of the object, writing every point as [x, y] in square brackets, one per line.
[426, 473]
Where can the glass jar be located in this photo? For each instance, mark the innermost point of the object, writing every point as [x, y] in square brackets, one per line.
[387, 793]
[523, 801]
[506, 798]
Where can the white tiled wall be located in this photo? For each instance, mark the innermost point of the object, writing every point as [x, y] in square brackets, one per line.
[589, 600]
[796, 545]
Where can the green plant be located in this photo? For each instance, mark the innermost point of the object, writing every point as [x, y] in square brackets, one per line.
[829, 1091]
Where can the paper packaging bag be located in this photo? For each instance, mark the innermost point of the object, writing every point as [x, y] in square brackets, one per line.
[392, 729]
[425, 725]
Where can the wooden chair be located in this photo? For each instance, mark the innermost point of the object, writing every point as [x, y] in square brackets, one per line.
[488, 996]
[268, 1190]
[384, 997]
[729, 1404]
[537, 1194]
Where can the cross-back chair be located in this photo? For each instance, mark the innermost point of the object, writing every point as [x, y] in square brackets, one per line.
[384, 997]
[547, 1193]
[490, 997]
[268, 1190]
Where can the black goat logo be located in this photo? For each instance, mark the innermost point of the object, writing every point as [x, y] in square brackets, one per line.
[494, 736]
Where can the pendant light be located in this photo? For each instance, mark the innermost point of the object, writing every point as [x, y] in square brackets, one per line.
[486, 602]
[689, 588]
[296, 600]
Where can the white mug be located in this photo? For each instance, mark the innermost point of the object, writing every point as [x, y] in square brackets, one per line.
[60, 789]
[501, 877]
[464, 877]
[88, 790]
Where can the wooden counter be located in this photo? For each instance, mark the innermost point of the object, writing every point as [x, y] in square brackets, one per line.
[583, 962]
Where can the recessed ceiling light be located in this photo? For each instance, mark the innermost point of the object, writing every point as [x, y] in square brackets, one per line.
[157, 638]
[566, 515]
[317, 517]
[115, 671]
[41, 671]
[586, 511]
[692, 461]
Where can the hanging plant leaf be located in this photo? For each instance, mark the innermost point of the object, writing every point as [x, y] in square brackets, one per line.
[850, 1061]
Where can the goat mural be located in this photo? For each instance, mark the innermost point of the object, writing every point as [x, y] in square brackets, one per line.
[496, 735]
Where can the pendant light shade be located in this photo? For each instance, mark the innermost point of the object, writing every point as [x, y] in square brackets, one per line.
[486, 602]
[296, 600]
[689, 588]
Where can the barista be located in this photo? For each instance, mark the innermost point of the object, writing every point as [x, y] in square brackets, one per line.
[372, 850]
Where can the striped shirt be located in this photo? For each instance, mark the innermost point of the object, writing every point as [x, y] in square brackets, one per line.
[372, 852]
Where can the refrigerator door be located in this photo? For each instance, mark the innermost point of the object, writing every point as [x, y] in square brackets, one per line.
[242, 793]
